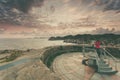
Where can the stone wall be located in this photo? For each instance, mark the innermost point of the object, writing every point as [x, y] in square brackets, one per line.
[49, 55]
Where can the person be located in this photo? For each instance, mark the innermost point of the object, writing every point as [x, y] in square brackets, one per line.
[97, 47]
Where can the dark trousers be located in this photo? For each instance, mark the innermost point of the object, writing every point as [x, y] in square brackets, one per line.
[98, 51]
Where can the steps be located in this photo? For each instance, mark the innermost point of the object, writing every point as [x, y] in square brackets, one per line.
[108, 72]
[104, 68]
[101, 63]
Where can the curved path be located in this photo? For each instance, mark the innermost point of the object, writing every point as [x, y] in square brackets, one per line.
[69, 67]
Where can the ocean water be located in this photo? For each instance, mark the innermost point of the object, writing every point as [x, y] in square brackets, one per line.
[24, 44]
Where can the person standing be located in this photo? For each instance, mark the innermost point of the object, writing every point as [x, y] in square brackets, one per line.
[97, 47]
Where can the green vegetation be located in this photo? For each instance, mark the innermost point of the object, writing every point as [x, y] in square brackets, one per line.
[109, 40]
[87, 38]
[13, 55]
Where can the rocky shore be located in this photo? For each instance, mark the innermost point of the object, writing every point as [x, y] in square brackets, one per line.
[34, 69]
[38, 64]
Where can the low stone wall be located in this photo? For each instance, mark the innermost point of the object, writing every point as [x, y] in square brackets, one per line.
[49, 55]
[51, 52]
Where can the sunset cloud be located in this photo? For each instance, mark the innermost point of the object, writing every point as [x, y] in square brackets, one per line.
[2, 30]
[105, 31]
[59, 17]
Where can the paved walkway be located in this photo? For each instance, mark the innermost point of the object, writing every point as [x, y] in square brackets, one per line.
[69, 67]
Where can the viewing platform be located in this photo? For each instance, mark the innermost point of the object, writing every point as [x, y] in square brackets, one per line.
[105, 64]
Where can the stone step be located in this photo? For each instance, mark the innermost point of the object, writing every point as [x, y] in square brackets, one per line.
[102, 61]
[105, 68]
[109, 72]
[103, 65]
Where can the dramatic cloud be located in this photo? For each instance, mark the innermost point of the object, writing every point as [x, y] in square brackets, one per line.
[22, 5]
[98, 4]
[16, 11]
[59, 17]
[104, 31]
[109, 4]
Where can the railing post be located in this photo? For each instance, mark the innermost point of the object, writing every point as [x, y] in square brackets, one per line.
[83, 49]
[105, 56]
[97, 59]
[116, 66]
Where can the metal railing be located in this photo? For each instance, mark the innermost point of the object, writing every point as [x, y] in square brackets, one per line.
[105, 56]
[94, 53]
[112, 61]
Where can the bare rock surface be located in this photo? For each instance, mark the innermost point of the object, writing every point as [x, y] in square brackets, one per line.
[69, 67]
[34, 69]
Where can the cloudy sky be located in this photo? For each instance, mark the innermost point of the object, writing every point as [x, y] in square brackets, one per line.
[30, 18]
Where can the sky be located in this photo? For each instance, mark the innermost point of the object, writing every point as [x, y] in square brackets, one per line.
[35, 18]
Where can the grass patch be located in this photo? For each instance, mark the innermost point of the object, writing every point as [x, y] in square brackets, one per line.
[13, 56]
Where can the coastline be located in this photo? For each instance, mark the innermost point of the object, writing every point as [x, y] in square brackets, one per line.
[35, 68]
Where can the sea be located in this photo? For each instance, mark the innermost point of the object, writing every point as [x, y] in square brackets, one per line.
[28, 43]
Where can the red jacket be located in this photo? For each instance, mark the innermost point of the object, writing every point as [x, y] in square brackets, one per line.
[97, 44]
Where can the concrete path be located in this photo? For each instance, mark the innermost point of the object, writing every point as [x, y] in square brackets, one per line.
[69, 67]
